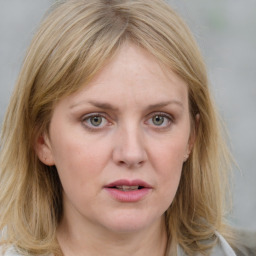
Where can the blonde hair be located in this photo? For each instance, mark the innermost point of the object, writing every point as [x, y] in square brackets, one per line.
[73, 43]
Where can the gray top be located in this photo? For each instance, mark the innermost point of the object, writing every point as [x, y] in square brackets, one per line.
[222, 248]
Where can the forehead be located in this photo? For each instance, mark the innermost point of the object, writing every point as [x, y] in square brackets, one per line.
[133, 75]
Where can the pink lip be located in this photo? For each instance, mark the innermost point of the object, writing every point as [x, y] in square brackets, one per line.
[128, 183]
[128, 196]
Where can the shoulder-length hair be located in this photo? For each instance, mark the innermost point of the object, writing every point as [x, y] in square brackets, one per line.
[73, 43]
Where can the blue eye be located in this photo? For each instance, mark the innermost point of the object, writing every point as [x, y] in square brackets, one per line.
[94, 121]
[160, 120]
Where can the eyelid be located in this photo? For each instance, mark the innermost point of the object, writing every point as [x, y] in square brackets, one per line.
[160, 113]
[163, 114]
[85, 116]
[94, 114]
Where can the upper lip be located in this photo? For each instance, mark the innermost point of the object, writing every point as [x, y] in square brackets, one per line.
[124, 182]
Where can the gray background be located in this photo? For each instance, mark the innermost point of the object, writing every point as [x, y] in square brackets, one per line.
[226, 33]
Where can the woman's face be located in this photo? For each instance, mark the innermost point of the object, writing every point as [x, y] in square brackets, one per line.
[119, 144]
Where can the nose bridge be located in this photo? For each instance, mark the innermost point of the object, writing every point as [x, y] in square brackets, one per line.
[129, 146]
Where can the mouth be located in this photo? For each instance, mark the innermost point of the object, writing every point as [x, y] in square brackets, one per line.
[128, 185]
[127, 188]
[128, 191]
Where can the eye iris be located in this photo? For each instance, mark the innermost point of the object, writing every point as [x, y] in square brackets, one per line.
[96, 120]
[158, 120]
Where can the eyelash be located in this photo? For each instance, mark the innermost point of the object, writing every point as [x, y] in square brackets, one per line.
[167, 117]
[91, 127]
[88, 118]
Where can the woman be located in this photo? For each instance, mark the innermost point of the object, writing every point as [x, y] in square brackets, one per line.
[111, 144]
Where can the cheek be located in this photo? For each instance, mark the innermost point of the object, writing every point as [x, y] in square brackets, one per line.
[78, 159]
[168, 161]
[169, 154]
[170, 168]
[169, 181]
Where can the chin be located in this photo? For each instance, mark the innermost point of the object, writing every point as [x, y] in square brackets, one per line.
[128, 223]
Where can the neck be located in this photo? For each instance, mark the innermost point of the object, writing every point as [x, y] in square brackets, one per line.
[92, 241]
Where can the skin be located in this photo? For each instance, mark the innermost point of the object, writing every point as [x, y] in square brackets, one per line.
[143, 133]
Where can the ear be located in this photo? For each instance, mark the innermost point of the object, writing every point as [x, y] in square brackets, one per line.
[193, 134]
[43, 149]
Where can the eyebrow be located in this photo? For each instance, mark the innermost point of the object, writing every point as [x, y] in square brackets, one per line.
[164, 104]
[102, 105]
[108, 106]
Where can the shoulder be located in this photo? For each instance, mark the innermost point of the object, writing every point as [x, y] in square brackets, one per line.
[222, 248]
[9, 252]
[12, 252]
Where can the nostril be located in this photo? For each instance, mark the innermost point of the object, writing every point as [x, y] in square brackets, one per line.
[128, 156]
[131, 164]
[122, 163]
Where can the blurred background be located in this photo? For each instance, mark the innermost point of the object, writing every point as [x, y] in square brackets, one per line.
[226, 33]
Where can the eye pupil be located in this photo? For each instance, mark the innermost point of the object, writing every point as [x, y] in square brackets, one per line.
[158, 120]
[96, 120]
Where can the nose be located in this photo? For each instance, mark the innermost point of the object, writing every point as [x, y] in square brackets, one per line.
[129, 149]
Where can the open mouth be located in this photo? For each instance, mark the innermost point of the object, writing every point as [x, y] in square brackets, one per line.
[127, 188]
[126, 185]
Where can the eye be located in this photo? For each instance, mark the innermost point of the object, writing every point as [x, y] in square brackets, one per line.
[94, 121]
[158, 120]
[161, 120]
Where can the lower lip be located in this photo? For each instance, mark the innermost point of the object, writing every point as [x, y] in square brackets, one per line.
[128, 196]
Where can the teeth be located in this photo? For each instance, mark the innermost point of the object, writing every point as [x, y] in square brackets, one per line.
[127, 188]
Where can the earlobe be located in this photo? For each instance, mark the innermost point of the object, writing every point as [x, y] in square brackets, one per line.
[43, 150]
